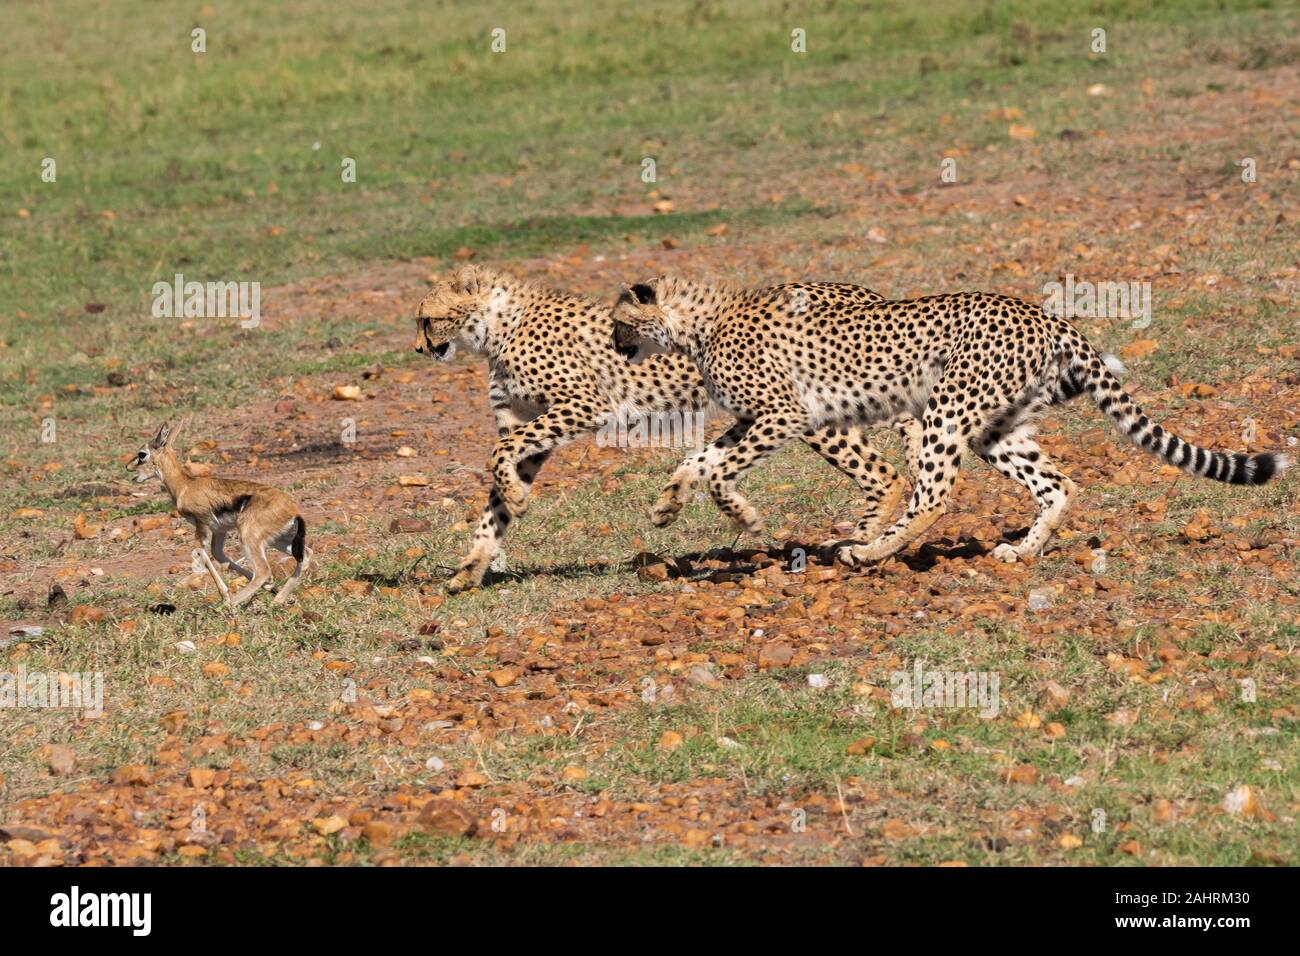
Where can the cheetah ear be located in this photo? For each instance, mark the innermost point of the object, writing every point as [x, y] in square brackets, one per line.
[469, 279]
[643, 293]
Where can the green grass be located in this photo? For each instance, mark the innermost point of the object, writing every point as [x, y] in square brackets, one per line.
[208, 162]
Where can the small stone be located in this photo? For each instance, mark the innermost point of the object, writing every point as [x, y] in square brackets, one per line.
[87, 613]
[775, 654]
[703, 675]
[1026, 774]
[1040, 600]
[471, 779]
[134, 775]
[379, 833]
[408, 525]
[201, 777]
[1053, 696]
[1241, 801]
[445, 816]
[818, 681]
[671, 740]
[435, 764]
[329, 825]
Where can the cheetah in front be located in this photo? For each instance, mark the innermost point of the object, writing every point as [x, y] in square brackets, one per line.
[554, 375]
[977, 370]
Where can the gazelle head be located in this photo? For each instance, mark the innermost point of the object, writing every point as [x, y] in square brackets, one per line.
[148, 461]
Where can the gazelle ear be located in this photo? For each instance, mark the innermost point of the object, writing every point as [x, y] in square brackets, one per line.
[469, 279]
[176, 431]
[160, 439]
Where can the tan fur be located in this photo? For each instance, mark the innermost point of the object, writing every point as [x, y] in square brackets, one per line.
[265, 517]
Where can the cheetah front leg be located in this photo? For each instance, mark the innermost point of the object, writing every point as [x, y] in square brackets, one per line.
[911, 429]
[881, 485]
[767, 434]
[557, 425]
[690, 473]
[936, 470]
[490, 534]
[1018, 456]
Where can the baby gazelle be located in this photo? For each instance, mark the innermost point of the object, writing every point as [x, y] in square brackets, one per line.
[264, 516]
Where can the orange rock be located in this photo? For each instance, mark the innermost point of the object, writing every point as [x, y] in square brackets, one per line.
[444, 816]
[1026, 774]
[133, 774]
[671, 740]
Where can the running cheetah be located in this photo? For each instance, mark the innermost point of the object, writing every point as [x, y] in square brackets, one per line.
[977, 369]
[553, 376]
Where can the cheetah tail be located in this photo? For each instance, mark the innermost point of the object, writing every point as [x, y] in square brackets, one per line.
[1095, 374]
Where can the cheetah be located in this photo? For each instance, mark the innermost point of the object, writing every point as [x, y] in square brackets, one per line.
[976, 369]
[554, 375]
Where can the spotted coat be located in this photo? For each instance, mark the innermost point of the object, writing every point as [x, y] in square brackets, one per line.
[554, 376]
[977, 369]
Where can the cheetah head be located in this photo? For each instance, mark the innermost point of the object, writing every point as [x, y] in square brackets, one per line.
[451, 312]
[640, 329]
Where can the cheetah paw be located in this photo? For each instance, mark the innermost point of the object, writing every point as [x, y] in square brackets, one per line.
[665, 513]
[462, 581]
[853, 555]
[1006, 552]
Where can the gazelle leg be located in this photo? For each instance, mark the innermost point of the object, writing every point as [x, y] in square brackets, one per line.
[255, 552]
[202, 541]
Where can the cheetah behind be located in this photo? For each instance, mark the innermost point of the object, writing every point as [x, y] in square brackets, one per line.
[977, 369]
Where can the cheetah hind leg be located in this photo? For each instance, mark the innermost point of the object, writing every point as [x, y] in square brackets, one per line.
[1018, 456]
[935, 472]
